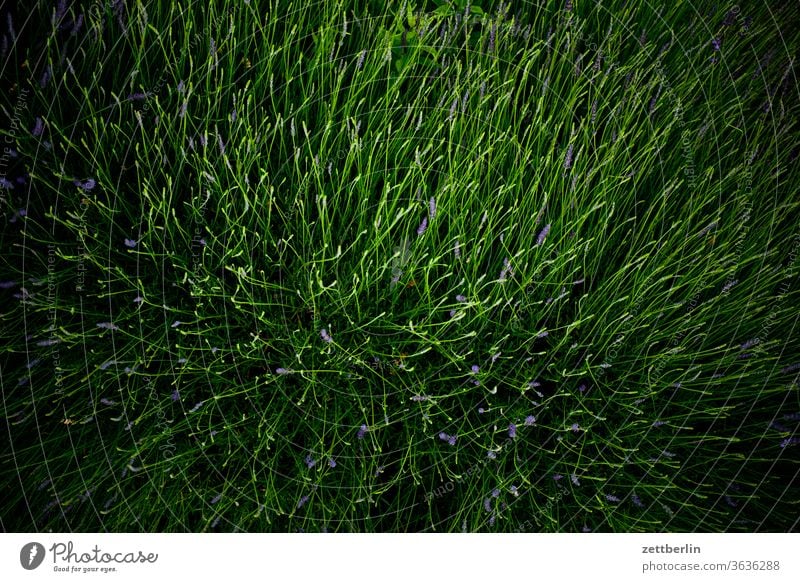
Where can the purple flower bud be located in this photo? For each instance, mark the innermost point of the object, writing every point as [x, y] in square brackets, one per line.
[176, 323]
[716, 43]
[451, 440]
[512, 430]
[612, 498]
[530, 420]
[658, 423]
[38, 127]
[422, 227]
[750, 343]
[545, 231]
[791, 368]
[475, 369]
[542, 334]
[575, 427]
[45, 77]
[281, 371]
[107, 325]
[778, 426]
[568, 158]
[460, 298]
[362, 431]
[361, 56]
[61, 10]
[325, 336]
[302, 501]
[495, 492]
[491, 455]
[432, 208]
[332, 463]
[130, 243]
[216, 499]
[487, 504]
[558, 477]
[636, 501]
[310, 462]
[176, 395]
[443, 436]
[575, 480]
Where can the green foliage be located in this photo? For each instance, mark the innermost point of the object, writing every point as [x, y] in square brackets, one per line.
[259, 179]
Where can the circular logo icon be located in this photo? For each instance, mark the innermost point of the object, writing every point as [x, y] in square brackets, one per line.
[31, 555]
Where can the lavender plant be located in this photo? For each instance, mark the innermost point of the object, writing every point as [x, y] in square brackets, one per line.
[597, 275]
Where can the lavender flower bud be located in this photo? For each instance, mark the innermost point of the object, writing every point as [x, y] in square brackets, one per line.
[542, 235]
